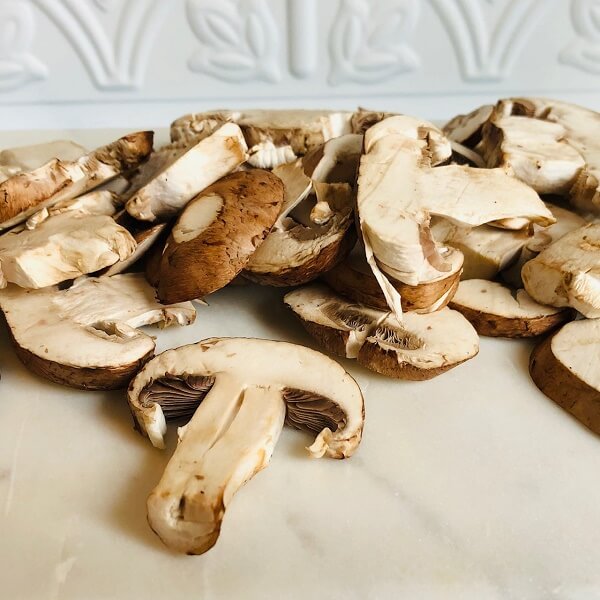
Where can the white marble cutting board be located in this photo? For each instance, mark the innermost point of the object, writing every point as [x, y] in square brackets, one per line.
[471, 486]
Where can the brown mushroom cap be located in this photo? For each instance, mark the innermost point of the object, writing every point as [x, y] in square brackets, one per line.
[217, 233]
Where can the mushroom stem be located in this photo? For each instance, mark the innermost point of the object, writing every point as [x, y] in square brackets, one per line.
[230, 438]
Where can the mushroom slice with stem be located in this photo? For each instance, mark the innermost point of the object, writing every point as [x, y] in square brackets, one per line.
[179, 173]
[244, 396]
[312, 234]
[336, 161]
[353, 279]
[495, 310]
[399, 189]
[533, 151]
[420, 347]
[217, 233]
[64, 246]
[28, 158]
[28, 192]
[565, 368]
[566, 221]
[486, 250]
[86, 336]
[567, 273]
[274, 137]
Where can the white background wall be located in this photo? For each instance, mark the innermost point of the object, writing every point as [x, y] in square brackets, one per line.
[73, 63]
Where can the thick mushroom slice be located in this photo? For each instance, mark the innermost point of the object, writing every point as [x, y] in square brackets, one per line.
[565, 368]
[418, 348]
[274, 137]
[312, 234]
[495, 310]
[533, 151]
[179, 173]
[28, 192]
[28, 158]
[243, 396]
[353, 279]
[217, 233]
[543, 237]
[399, 188]
[86, 336]
[64, 246]
[567, 273]
[487, 250]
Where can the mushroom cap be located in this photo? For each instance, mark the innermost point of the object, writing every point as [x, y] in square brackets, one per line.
[564, 366]
[217, 233]
[567, 273]
[250, 362]
[419, 347]
[495, 310]
[29, 192]
[87, 336]
[180, 173]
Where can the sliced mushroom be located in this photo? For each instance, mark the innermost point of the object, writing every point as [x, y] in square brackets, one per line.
[398, 190]
[274, 137]
[64, 246]
[363, 119]
[353, 279]
[28, 192]
[336, 161]
[566, 221]
[28, 158]
[182, 172]
[533, 151]
[86, 336]
[567, 273]
[217, 233]
[420, 347]
[486, 250]
[244, 396]
[495, 310]
[466, 129]
[565, 368]
[312, 234]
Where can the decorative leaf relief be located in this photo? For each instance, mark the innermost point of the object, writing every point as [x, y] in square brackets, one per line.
[18, 66]
[368, 41]
[240, 40]
[115, 60]
[487, 45]
[584, 51]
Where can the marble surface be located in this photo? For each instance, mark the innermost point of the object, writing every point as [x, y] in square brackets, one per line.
[469, 486]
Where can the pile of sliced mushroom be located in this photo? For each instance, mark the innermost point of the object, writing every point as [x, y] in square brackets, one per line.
[403, 241]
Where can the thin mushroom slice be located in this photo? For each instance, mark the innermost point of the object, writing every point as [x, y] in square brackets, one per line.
[533, 151]
[567, 273]
[274, 137]
[62, 247]
[180, 173]
[466, 129]
[399, 190]
[30, 191]
[565, 368]
[217, 233]
[566, 221]
[87, 336]
[420, 347]
[27, 158]
[336, 161]
[233, 432]
[353, 279]
[312, 234]
[495, 310]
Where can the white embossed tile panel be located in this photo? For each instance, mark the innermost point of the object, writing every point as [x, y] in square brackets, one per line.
[67, 63]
